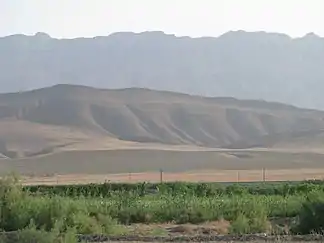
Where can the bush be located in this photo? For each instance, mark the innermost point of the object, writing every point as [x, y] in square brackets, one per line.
[32, 234]
[240, 225]
[311, 217]
[244, 225]
[17, 209]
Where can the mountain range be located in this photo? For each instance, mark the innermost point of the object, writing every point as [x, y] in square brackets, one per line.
[239, 64]
[75, 117]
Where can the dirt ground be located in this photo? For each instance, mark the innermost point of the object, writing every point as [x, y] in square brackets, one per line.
[138, 161]
[260, 241]
[145, 165]
[215, 231]
[202, 176]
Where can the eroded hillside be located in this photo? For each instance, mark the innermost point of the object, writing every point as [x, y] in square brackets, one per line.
[43, 120]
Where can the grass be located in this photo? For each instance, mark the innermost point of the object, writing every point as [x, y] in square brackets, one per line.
[247, 212]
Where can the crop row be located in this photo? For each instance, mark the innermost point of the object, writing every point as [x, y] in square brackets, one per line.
[246, 213]
[176, 188]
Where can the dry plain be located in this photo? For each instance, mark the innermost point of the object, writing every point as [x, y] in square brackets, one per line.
[82, 132]
[134, 165]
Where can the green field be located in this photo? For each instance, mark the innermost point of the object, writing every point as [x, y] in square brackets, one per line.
[112, 209]
[108, 190]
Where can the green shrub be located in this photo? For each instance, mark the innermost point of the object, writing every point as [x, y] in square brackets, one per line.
[32, 234]
[244, 225]
[240, 225]
[311, 216]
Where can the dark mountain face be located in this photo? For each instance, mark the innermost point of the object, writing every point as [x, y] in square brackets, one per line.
[244, 65]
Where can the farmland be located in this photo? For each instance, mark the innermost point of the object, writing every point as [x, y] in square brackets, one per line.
[54, 199]
[162, 209]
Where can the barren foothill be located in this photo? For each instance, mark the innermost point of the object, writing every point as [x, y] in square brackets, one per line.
[147, 161]
[78, 118]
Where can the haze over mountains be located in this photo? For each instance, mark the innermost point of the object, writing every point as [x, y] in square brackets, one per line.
[103, 92]
[83, 118]
[244, 65]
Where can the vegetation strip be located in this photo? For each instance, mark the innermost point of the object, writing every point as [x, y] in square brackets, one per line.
[176, 188]
[115, 210]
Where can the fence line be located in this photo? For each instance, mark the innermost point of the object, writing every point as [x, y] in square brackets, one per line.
[161, 176]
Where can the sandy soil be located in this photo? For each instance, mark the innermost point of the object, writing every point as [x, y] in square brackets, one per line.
[202, 176]
[144, 165]
[137, 161]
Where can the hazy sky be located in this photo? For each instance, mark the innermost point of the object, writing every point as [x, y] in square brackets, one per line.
[74, 18]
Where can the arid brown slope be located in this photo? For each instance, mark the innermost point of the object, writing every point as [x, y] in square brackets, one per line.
[307, 140]
[44, 119]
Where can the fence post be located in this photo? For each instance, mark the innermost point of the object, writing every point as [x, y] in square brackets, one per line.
[130, 176]
[238, 176]
[161, 176]
[263, 174]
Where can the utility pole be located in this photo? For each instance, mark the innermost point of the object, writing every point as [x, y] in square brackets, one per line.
[263, 174]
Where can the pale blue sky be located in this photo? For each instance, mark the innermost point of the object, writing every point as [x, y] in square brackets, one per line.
[75, 18]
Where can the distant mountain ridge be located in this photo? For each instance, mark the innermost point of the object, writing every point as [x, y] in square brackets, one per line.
[244, 65]
[74, 117]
